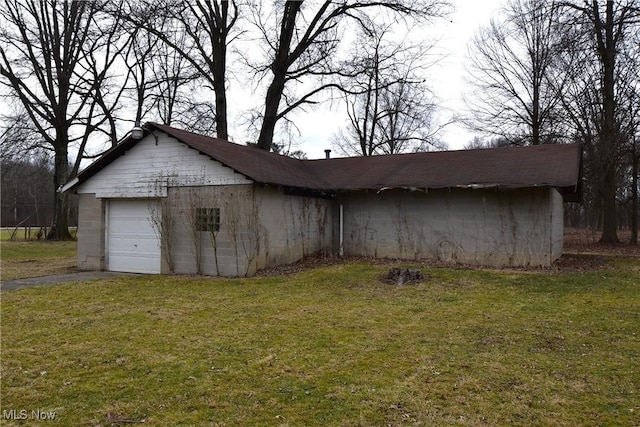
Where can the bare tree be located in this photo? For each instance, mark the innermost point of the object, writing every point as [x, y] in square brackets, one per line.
[565, 54]
[516, 90]
[138, 59]
[628, 99]
[582, 114]
[172, 74]
[478, 143]
[200, 32]
[301, 49]
[609, 33]
[159, 78]
[19, 138]
[388, 105]
[609, 30]
[99, 57]
[49, 61]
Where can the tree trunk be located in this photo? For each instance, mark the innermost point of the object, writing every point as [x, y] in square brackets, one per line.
[535, 113]
[609, 139]
[272, 102]
[279, 68]
[219, 62]
[60, 226]
[222, 131]
[634, 196]
[609, 218]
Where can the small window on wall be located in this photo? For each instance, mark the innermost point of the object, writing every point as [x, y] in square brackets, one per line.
[208, 219]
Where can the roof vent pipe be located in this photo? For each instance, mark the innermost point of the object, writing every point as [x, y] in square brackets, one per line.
[327, 154]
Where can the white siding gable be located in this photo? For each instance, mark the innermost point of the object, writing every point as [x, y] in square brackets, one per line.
[147, 169]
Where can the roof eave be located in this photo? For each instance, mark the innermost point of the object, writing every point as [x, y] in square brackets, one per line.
[70, 185]
[107, 157]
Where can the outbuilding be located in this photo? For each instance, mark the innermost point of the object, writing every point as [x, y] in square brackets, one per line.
[179, 202]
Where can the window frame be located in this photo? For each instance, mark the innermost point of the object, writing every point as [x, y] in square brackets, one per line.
[207, 219]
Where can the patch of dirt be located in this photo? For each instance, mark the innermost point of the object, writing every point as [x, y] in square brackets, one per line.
[579, 262]
[580, 240]
[582, 252]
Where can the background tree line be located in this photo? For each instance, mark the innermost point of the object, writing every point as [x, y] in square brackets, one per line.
[26, 178]
[28, 195]
[560, 72]
[77, 74]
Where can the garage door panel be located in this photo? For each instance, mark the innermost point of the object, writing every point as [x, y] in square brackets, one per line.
[132, 247]
[133, 242]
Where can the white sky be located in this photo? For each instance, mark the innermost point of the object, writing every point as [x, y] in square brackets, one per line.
[446, 79]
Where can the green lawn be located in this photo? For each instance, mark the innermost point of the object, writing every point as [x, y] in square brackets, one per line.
[32, 258]
[332, 346]
[22, 234]
[36, 258]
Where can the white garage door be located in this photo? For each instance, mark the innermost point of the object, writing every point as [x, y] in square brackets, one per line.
[133, 244]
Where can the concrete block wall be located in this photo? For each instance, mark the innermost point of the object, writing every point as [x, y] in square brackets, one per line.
[486, 227]
[294, 226]
[557, 223]
[91, 232]
[225, 253]
[260, 227]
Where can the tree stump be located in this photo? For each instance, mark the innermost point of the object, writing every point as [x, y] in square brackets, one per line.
[403, 276]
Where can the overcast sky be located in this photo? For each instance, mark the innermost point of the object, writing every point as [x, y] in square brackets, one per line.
[446, 78]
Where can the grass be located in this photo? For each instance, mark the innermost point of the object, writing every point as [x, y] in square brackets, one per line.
[23, 258]
[36, 258]
[27, 233]
[331, 346]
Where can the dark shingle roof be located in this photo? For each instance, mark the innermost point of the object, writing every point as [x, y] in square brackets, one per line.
[258, 165]
[513, 167]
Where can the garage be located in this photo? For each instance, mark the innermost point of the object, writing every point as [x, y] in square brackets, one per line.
[133, 243]
[496, 207]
